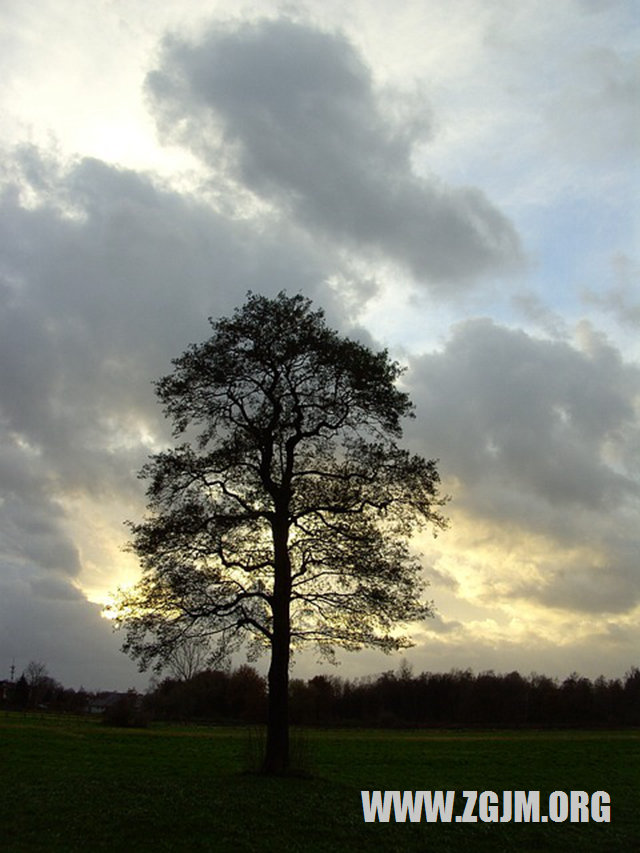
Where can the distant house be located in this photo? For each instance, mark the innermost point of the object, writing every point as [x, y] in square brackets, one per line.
[99, 703]
[6, 689]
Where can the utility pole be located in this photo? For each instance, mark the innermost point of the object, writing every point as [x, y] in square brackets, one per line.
[13, 669]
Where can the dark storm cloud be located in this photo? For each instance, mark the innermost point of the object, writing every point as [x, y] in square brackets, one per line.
[48, 620]
[540, 439]
[292, 114]
[55, 589]
[532, 412]
[104, 277]
[30, 518]
[597, 587]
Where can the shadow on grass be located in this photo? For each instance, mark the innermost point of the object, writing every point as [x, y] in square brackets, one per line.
[301, 759]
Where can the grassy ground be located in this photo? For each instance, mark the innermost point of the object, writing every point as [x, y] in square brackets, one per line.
[69, 785]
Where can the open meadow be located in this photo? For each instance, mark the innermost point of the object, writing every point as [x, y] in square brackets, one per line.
[72, 784]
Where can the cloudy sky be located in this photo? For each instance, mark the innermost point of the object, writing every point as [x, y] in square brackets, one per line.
[456, 181]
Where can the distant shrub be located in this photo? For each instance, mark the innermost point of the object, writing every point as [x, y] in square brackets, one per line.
[125, 712]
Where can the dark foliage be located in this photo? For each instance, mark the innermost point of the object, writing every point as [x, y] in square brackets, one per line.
[392, 699]
[36, 690]
[399, 699]
[126, 711]
[211, 696]
[284, 516]
[460, 698]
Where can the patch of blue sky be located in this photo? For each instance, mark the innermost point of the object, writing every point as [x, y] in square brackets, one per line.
[572, 245]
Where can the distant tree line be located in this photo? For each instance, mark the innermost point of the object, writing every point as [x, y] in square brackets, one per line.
[393, 699]
[460, 698]
[37, 690]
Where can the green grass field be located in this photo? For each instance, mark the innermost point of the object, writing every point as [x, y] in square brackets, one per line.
[72, 784]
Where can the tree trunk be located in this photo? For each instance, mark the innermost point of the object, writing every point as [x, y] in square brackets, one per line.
[276, 758]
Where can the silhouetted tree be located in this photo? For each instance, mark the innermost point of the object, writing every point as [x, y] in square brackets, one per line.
[20, 697]
[544, 700]
[632, 696]
[576, 699]
[125, 711]
[188, 658]
[284, 516]
[246, 695]
[211, 695]
[41, 685]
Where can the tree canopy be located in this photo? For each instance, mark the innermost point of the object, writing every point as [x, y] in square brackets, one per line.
[284, 515]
